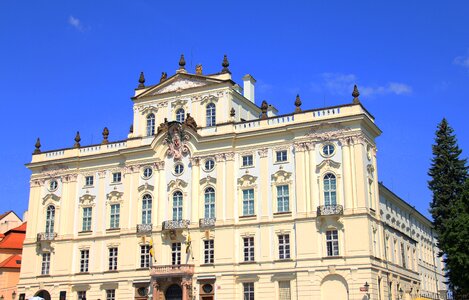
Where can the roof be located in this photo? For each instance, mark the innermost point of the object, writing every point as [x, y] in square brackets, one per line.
[14, 238]
[14, 261]
[7, 213]
[21, 228]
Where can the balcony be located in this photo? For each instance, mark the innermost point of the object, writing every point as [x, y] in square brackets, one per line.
[179, 224]
[46, 236]
[172, 271]
[207, 222]
[144, 228]
[330, 210]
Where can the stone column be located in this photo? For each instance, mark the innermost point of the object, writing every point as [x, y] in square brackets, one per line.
[156, 290]
[186, 285]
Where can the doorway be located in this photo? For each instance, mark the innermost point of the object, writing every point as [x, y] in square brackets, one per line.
[174, 292]
[43, 294]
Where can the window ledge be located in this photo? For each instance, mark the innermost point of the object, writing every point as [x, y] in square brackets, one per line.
[87, 232]
[249, 217]
[116, 183]
[282, 214]
[43, 276]
[112, 229]
[142, 269]
[247, 262]
[88, 186]
[246, 167]
[283, 260]
[207, 265]
[82, 273]
[111, 271]
[333, 257]
[281, 162]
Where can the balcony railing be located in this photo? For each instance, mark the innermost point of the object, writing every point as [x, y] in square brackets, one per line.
[207, 222]
[144, 228]
[172, 270]
[46, 236]
[179, 224]
[330, 210]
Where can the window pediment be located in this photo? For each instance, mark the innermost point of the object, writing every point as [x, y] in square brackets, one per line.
[328, 163]
[50, 196]
[209, 99]
[114, 196]
[179, 103]
[247, 180]
[281, 176]
[146, 187]
[177, 184]
[146, 109]
[208, 180]
[87, 200]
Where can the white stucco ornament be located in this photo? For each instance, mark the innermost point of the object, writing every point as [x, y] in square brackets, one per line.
[176, 139]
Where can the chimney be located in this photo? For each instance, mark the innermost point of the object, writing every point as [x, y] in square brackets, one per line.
[248, 87]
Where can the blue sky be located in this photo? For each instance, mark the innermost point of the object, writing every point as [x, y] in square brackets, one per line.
[73, 65]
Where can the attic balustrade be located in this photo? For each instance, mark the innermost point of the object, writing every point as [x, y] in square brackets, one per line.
[179, 224]
[330, 210]
[144, 228]
[46, 236]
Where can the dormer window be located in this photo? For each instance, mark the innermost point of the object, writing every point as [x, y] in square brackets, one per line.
[150, 124]
[180, 115]
[211, 114]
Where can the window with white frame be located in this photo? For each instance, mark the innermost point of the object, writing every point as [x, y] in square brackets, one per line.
[209, 251]
[176, 253]
[281, 156]
[81, 295]
[112, 259]
[283, 198]
[116, 177]
[248, 202]
[283, 246]
[330, 189]
[144, 256]
[332, 243]
[84, 260]
[247, 160]
[146, 209]
[284, 292]
[248, 290]
[211, 113]
[110, 294]
[209, 205]
[115, 216]
[45, 266]
[248, 248]
[177, 206]
[180, 114]
[150, 124]
[87, 217]
[89, 180]
[50, 219]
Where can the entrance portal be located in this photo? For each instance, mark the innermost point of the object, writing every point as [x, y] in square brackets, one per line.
[174, 292]
[43, 294]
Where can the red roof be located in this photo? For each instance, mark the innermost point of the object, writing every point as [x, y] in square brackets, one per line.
[2, 235]
[14, 238]
[22, 227]
[13, 261]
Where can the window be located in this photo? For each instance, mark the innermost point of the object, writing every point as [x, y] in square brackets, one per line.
[150, 124]
[115, 215]
[177, 206]
[110, 294]
[284, 246]
[176, 253]
[248, 248]
[330, 189]
[84, 260]
[87, 211]
[248, 202]
[247, 160]
[209, 203]
[210, 110]
[146, 209]
[403, 255]
[248, 290]
[284, 290]
[332, 243]
[45, 267]
[147, 172]
[144, 256]
[328, 150]
[116, 177]
[112, 259]
[209, 164]
[178, 169]
[283, 198]
[89, 180]
[81, 295]
[281, 156]
[50, 217]
[180, 115]
[208, 251]
[53, 184]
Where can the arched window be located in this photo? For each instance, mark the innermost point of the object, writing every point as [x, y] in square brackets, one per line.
[209, 203]
[150, 124]
[180, 115]
[50, 217]
[146, 209]
[210, 111]
[177, 206]
[330, 189]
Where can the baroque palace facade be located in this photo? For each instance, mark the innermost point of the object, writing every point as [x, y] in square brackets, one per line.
[214, 197]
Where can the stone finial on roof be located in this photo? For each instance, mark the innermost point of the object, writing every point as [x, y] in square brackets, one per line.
[225, 64]
[77, 140]
[298, 104]
[164, 76]
[141, 81]
[182, 63]
[355, 95]
[264, 107]
[232, 112]
[190, 122]
[37, 146]
[105, 136]
[131, 129]
[198, 69]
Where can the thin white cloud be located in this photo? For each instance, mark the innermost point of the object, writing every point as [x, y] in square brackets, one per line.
[342, 84]
[76, 23]
[462, 61]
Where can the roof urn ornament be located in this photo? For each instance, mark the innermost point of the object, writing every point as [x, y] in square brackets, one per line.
[198, 69]
[182, 63]
[355, 95]
[77, 140]
[264, 107]
[164, 76]
[105, 136]
[131, 129]
[298, 104]
[37, 146]
[232, 112]
[141, 81]
[225, 64]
